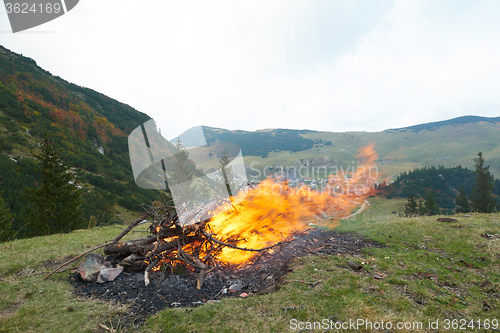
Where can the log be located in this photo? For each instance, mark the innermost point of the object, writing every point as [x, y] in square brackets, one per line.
[142, 246]
[131, 247]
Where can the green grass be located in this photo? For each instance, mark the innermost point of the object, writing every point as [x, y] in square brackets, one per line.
[414, 246]
[29, 304]
[463, 265]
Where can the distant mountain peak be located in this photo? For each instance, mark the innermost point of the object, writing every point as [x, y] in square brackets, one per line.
[450, 122]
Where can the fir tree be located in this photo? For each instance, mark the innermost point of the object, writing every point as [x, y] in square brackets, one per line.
[5, 222]
[181, 168]
[462, 204]
[55, 204]
[411, 207]
[431, 206]
[483, 200]
[181, 175]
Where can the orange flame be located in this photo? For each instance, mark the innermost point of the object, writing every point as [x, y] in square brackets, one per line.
[273, 210]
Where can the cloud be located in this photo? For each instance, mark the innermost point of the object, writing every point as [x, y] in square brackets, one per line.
[324, 65]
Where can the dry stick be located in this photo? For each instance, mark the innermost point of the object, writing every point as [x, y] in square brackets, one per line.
[130, 227]
[107, 328]
[196, 262]
[117, 238]
[241, 248]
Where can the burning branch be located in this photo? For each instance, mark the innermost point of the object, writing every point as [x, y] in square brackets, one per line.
[241, 248]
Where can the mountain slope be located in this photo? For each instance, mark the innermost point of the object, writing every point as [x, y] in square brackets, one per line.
[449, 143]
[90, 128]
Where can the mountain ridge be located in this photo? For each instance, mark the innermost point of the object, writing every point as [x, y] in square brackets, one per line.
[460, 120]
[449, 142]
[449, 122]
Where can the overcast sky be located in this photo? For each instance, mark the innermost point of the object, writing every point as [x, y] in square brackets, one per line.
[320, 65]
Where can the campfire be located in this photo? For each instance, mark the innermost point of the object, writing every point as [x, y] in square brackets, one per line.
[231, 232]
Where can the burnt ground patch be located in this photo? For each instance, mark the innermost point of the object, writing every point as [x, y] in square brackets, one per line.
[263, 275]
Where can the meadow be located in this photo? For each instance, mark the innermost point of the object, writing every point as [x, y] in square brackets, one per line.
[429, 276]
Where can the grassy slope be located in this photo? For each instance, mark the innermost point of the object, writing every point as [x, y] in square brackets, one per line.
[455, 252]
[414, 246]
[401, 150]
[29, 304]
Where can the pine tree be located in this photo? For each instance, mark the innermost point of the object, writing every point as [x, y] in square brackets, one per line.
[431, 206]
[181, 168]
[55, 204]
[483, 200]
[462, 204]
[411, 207]
[181, 175]
[5, 222]
[227, 176]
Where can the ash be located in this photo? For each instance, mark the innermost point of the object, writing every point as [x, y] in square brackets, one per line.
[263, 275]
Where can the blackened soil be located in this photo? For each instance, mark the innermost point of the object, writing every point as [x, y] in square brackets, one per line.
[174, 290]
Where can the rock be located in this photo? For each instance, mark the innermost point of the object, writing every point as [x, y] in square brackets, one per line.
[235, 287]
[109, 274]
[92, 266]
[95, 268]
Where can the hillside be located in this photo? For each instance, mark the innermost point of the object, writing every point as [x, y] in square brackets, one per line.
[448, 143]
[90, 128]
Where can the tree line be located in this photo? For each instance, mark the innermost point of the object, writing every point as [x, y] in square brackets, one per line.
[53, 202]
[482, 198]
[19, 177]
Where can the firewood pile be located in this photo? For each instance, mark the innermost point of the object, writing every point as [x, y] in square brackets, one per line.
[223, 232]
[174, 239]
